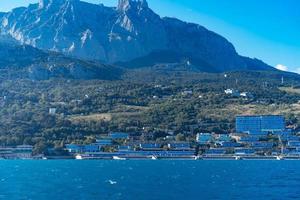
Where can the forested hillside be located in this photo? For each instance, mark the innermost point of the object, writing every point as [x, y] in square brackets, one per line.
[143, 101]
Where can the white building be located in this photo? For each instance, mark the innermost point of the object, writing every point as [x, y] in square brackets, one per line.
[232, 92]
[52, 111]
[187, 92]
[246, 95]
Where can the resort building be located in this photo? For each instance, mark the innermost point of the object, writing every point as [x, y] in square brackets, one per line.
[104, 142]
[232, 92]
[52, 111]
[247, 95]
[179, 146]
[244, 151]
[204, 138]
[150, 146]
[250, 138]
[124, 148]
[217, 151]
[187, 93]
[75, 148]
[18, 152]
[228, 144]
[118, 136]
[223, 138]
[94, 147]
[262, 145]
[260, 125]
[293, 144]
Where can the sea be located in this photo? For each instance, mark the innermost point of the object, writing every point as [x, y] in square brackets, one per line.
[148, 180]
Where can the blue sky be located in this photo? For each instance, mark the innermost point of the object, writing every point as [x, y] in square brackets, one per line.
[265, 29]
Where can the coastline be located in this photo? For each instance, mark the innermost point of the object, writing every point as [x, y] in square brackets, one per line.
[196, 158]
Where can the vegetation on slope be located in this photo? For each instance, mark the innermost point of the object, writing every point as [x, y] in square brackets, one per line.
[143, 101]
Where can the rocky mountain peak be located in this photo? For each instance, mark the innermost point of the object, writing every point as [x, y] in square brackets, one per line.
[125, 5]
[48, 3]
[130, 31]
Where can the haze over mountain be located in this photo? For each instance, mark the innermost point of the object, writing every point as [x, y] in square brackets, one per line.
[124, 34]
[24, 61]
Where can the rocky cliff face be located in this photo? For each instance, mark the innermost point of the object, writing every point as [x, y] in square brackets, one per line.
[129, 31]
[67, 26]
[196, 41]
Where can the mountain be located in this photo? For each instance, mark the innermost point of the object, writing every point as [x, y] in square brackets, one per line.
[124, 33]
[24, 61]
[169, 60]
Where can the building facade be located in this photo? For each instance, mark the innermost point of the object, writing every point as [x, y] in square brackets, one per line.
[260, 125]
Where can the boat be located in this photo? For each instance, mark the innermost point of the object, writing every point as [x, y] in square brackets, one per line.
[118, 158]
[196, 157]
[238, 158]
[78, 157]
[279, 158]
[112, 182]
[153, 157]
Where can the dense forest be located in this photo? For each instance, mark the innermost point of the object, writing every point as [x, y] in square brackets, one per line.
[155, 102]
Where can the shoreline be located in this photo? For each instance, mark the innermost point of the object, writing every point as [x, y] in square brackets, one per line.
[162, 159]
[170, 158]
[187, 158]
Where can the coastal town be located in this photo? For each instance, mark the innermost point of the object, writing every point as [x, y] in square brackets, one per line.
[256, 137]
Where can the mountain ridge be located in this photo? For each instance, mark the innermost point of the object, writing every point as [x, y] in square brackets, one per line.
[24, 61]
[123, 33]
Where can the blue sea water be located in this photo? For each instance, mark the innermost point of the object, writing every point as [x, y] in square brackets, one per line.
[148, 180]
